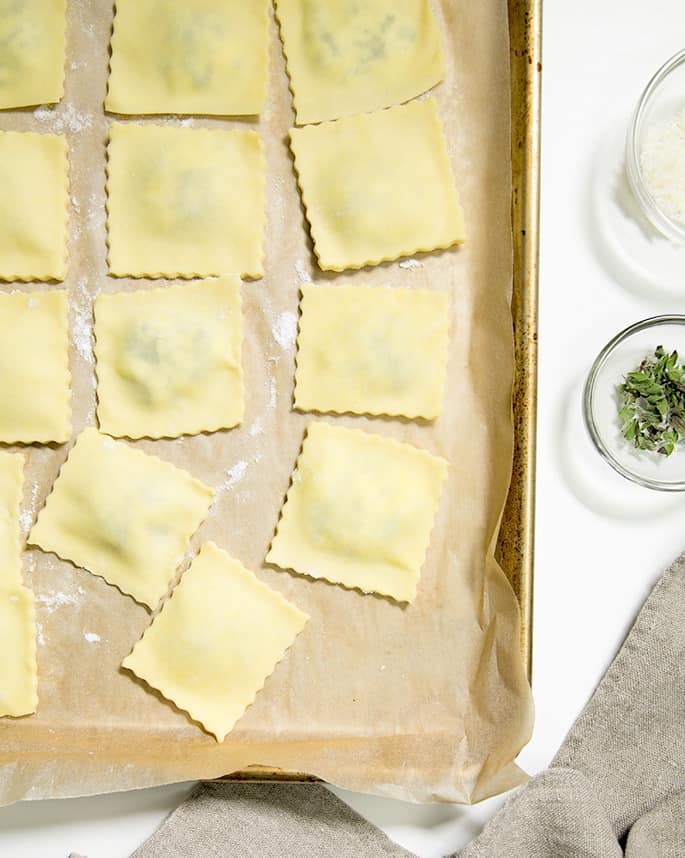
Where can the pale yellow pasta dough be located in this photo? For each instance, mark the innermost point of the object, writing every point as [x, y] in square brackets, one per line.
[18, 674]
[31, 52]
[11, 483]
[169, 360]
[33, 206]
[216, 640]
[359, 511]
[185, 202]
[372, 350]
[378, 186]
[346, 56]
[194, 56]
[34, 368]
[122, 514]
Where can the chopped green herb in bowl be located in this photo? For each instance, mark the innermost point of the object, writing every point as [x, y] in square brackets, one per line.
[652, 403]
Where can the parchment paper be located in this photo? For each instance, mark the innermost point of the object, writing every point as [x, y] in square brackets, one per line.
[425, 703]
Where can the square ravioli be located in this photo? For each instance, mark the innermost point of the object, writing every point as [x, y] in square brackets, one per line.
[359, 511]
[35, 393]
[122, 514]
[198, 56]
[185, 202]
[346, 57]
[11, 484]
[32, 53]
[18, 672]
[372, 350]
[33, 206]
[378, 186]
[169, 360]
[216, 640]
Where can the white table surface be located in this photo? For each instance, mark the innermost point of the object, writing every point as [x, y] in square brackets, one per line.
[601, 543]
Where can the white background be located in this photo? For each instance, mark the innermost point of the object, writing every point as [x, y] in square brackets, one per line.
[601, 542]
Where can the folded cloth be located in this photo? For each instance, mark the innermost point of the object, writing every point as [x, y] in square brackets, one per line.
[619, 776]
[222, 819]
[615, 788]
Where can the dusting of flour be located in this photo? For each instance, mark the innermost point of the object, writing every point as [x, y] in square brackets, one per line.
[26, 517]
[302, 272]
[257, 428]
[67, 119]
[56, 600]
[95, 219]
[82, 331]
[234, 475]
[285, 329]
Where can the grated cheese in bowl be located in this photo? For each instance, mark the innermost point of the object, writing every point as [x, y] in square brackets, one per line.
[662, 162]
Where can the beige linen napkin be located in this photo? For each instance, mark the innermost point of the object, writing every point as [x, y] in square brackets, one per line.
[616, 787]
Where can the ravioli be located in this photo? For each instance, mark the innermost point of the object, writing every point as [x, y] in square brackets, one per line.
[169, 360]
[372, 350]
[122, 514]
[198, 56]
[377, 187]
[35, 391]
[185, 202]
[18, 671]
[11, 483]
[216, 640]
[33, 205]
[359, 511]
[32, 52]
[346, 57]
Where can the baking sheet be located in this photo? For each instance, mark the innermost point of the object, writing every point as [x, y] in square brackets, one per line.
[516, 542]
[427, 702]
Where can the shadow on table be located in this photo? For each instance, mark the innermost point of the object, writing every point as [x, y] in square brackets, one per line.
[34, 815]
[593, 482]
[632, 252]
[431, 830]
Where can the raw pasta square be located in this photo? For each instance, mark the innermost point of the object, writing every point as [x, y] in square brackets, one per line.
[35, 403]
[198, 56]
[11, 483]
[18, 673]
[33, 206]
[122, 514]
[216, 640]
[372, 350]
[347, 57]
[185, 202]
[378, 186]
[359, 511]
[31, 52]
[169, 360]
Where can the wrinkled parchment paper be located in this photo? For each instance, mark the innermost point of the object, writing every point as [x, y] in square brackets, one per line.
[427, 702]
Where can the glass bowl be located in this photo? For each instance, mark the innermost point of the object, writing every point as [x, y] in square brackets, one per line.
[662, 100]
[623, 354]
